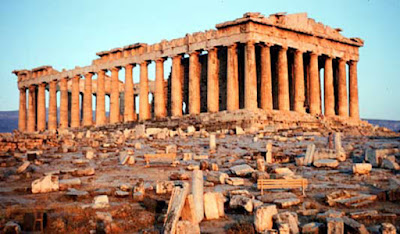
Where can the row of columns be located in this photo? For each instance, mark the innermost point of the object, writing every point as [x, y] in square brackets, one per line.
[250, 89]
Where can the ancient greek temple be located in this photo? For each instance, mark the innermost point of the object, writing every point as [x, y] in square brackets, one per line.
[276, 63]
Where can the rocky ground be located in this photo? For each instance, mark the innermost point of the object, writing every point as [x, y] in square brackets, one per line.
[97, 181]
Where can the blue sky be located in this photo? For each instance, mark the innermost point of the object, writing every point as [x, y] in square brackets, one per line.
[66, 34]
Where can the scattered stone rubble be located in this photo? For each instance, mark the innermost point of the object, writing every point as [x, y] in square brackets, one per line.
[96, 180]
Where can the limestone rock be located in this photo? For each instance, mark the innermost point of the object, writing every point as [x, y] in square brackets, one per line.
[126, 158]
[12, 227]
[186, 227]
[311, 228]
[353, 226]
[388, 228]
[69, 183]
[239, 130]
[213, 205]
[391, 165]
[332, 163]
[289, 218]
[284, 203]
[241, 170]
[100, 201]
[213, 143]
[239, 201]
[235, 181]
[335, 225]
[362, 168]
[45, 184]
[263, 217]
[23, 167]
[217, 177]
[84, 172]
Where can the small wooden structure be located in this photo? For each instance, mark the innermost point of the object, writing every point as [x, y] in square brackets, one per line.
[281, 184]
[160, 157]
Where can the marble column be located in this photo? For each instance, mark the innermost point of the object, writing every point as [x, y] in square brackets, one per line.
[114, 96]
[329, 96]
[128, 105]
[283, 80]
[232, 85]
[63, 103]
[212, 81]
[250, 77]
[176, 87]
[342, 89]
[353, 90]
[22, 110]
[299, 97]
[194, 83]
[31, 126]
[101, 98]
[75, 111]
[41, 107]
[266, 80]
[160, 109]
[144, 107]
[87, 101]
[52, 119]
[315, 105]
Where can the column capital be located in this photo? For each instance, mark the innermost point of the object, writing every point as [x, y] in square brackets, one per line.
[130, 66]
[162, 59]
[315, 53]
[176, 56]
[266, 44]
[194, 52]
[32, 88]
[284, 47]
[234, 45]
[76, 77]
[352, 62]
[42, 85]
[213, 49]
[113, 69]
[146, 62]
[299, 51]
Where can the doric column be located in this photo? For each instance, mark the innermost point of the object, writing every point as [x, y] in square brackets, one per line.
[342, 90]
[22, 110]
[63, 103]
[176, 87]
[128, 105]
[212, 81]
[266, 80]
[315, 106]
[299, 97]
[41, 107]
[194, 83]
[31, 126]
[144, 107]
[283, 80]
[100, 99]
[52, 124]
[160, 109]
[232, 85]
[250, 77]
[87, 101]
[329, 98]
[353, 90]
[114, 97]
[75, 111]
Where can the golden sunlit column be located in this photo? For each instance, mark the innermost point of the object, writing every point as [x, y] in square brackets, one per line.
[194, 83]
[64, 103]
[144, 107]
[87, 101]
[128, 104]
[75, 111]
[329, 98]
[266, 80]
[100, 98]
[41, 107]
[232, 85]
[31, 126]
[114, 97]
[52, 124]
[250, 77]
[299, 97]
[22, 110]
[342, 89]
[283, 80]
[315, 105]
[212, 81]
[160, 109]
[176, 86]
[353, 90]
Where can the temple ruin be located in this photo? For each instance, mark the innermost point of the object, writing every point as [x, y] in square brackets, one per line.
[270, 63]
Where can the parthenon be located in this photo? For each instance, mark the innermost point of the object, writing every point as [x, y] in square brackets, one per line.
[271, 63]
